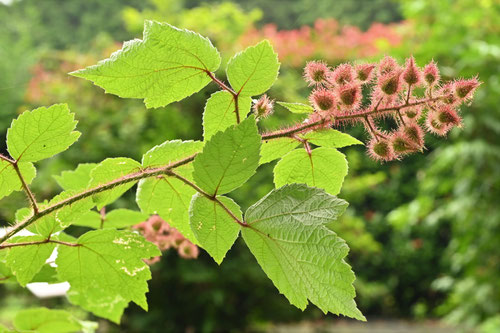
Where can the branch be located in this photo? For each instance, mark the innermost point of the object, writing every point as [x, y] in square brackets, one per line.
[147, 173]
[26, 189]
[228, 89]
[208, 196]
[9, 245]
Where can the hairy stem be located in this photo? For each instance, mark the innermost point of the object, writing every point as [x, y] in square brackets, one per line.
[146, 173]
[208, 196]
[26, 189]
[9, 245]
[228, 89]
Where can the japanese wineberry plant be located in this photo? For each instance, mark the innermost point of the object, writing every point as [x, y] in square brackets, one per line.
[183, 187]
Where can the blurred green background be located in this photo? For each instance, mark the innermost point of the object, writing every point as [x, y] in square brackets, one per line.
[424, 232]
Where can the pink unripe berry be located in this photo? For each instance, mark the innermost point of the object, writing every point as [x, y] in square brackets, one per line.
[433, 124]
[413, 112]
[431, 73]
[263, 107]
[448, 116]
[364, 72]
[387, 65]
[350, 94]
[316, 72]
[448, 93]
[380, 150]
[343, 74]
[322, 99]
[465, 89]
[401, 144]
[414, 133]
[411, 74]
[390, 82]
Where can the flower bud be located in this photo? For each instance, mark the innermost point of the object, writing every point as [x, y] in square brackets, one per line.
[380, 150]
[464, 89]
[433, 124]
[401, 144]
[364, 72]
[411, 74]
[350, 95]
[431, 74]
[448, 116]
[390, 82]
[322, 100]
[263, 107]
[343, 74]
[414, 133]
[448, 93]
[413, 112]
[316, 73]
[387, 65]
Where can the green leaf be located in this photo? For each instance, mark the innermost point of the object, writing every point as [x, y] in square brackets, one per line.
[220, 113]
[276, 148]
[297, 107]
[229, 159]
[108, 170]
[118, 218]
[122, 218]
[330, 138]
[169, 198]
[171, 151]
[77, 179]
[325, 168]
[26, 261]
[9, 180]
[213, 227]
[41, 133]
[303, 258]
[253, 71]
[58, 219]
[46, 274]
[106, 271]
[168, 65]
[6, 275]
[90, 219]
[43, 320]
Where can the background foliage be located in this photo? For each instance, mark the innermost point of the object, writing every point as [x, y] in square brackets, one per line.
[423, 232]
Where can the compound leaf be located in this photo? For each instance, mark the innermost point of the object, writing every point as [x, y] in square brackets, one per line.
[330, 138]
[303, 258]
[324, 168]
[168, 65]
[276, 148]
[41, 133]
[108, 170]
[229, 159]
[254, 70]
[106, 271]
[214, 229]
[9, 180]
[220, 111]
